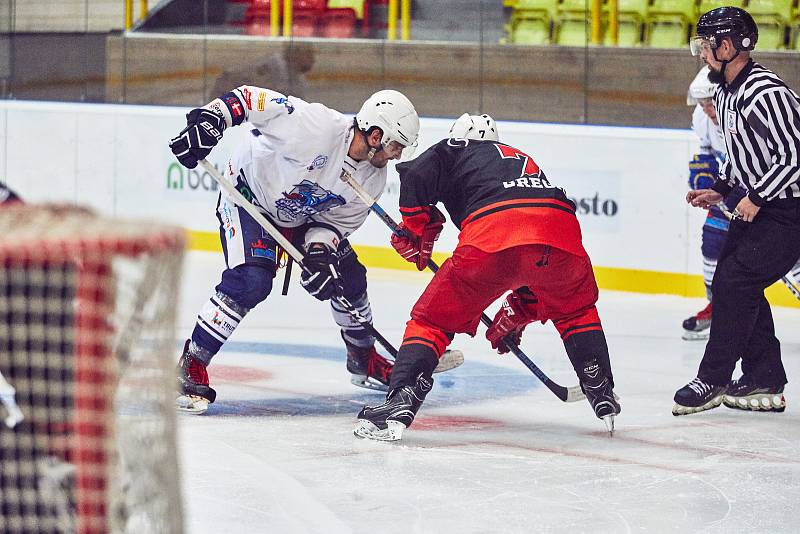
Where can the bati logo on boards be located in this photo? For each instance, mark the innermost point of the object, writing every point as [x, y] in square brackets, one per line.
[180, 178]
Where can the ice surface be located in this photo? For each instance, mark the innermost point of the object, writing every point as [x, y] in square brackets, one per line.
[492, 451]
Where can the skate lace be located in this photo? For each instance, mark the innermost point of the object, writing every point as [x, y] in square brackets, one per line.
[699, 387]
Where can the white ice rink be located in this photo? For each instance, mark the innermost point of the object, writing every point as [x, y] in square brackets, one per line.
[492, 451]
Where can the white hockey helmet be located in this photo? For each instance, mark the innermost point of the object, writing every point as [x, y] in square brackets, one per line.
[700, 87]
[477, 127]
[394, 114]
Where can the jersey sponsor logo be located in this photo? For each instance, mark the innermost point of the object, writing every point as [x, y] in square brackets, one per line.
[262, 98]
[306, 199]
[222, 323]
[318, 162]
[527, 182]
[730, 120]
[529, 167]
[248, 98]
[285, 101]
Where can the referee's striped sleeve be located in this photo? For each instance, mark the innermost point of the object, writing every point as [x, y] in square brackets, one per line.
[777, 111]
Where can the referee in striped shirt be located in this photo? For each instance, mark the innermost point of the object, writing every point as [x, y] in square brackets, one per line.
[760, 120]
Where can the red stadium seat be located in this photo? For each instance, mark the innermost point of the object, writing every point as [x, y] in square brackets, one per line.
[304, 23]
[339, 24]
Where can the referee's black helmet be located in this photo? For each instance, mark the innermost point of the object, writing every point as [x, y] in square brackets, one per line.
[729, 22]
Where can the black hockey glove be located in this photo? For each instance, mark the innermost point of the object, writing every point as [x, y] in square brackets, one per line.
[202, 133]
[320, 279]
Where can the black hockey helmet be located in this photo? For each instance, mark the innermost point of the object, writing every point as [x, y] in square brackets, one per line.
[726, 22]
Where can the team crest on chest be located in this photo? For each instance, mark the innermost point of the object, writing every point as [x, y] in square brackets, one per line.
[305, 200]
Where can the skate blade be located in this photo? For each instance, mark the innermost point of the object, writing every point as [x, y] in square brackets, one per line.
[367, 430]
[760, 402]
[679, 409]
[449, 360]
[191, 404]
[691, 335]
[609, 421]
[368, 382]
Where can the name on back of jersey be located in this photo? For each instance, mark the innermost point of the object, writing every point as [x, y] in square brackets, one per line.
[526, 181]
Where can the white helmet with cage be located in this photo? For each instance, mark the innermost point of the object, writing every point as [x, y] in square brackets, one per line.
[478, 127]
[700, 88]
[394, 114]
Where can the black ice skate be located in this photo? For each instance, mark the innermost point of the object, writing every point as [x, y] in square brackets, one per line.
[603, 401]
[697, 326]
[697, 396]
[196, 394]
[742, 394]
[388, 421]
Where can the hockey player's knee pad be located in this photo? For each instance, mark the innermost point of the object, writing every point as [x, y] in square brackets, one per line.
[248, 285]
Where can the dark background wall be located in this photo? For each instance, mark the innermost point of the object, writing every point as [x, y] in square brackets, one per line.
[595, 85]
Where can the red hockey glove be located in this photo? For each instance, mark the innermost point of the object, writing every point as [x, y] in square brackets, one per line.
[418, 247]
[518, 309]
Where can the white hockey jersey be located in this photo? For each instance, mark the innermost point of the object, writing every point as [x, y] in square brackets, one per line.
[711, 139]
[291, 165]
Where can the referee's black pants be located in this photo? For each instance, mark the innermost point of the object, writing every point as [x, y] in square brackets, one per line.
[755, 256]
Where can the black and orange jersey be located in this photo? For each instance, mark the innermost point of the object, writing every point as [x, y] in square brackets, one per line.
[496, 194]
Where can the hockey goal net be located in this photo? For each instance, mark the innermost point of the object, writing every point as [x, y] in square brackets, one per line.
[87, 308]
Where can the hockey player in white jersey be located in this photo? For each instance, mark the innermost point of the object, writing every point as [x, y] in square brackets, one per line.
[703, 170]
[290, 169]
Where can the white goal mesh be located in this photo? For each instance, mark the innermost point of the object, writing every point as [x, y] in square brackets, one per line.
[87, 309]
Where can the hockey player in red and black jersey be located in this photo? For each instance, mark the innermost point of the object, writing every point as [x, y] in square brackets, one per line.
[518, 232]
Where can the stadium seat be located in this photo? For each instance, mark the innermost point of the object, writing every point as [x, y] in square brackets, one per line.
[531, 22]
[773, 18]
[339, 23]
[632, 14]
[309, 5]
[530, 32]
[356, 5]
[796, 27]
[708, 5]
[574, 23]
[304, 23]
[668, 23]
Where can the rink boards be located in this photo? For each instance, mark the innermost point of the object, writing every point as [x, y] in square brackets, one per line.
[628, 184]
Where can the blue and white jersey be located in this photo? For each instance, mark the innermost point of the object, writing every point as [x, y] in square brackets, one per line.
[292, 164]
[712, 141]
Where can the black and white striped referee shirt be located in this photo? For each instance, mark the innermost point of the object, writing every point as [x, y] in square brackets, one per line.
[760, 119]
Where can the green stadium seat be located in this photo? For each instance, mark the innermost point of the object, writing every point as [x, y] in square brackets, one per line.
[796, 27]
[356, 5]
[708, 5]
[531, 21]
[548, 6]
[773, 17]
[632, 14]
[668, 23]
[574, 23]
[531, 32]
